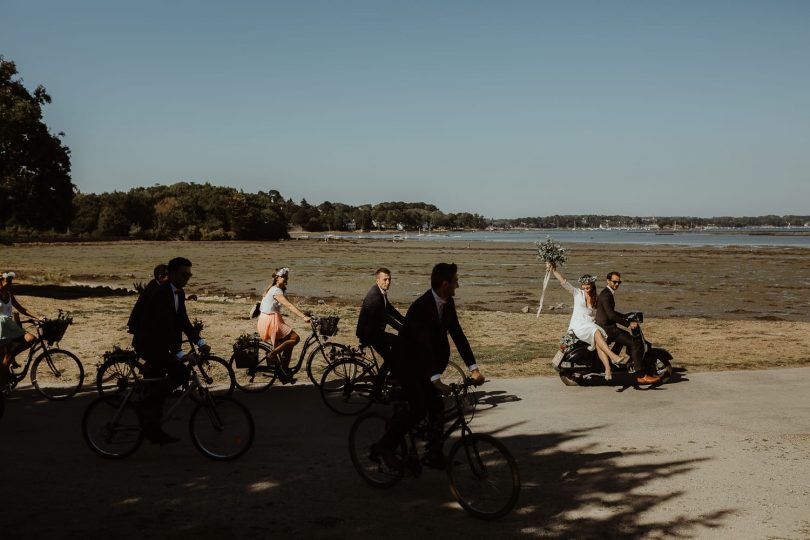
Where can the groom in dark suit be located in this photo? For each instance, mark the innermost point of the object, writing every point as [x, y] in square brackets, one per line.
[607, 317]
[158, 340]
[421, 358]
[375, 314]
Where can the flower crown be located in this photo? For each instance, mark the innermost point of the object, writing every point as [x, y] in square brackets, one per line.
[282, 272]
[584, 280]
[7, 275]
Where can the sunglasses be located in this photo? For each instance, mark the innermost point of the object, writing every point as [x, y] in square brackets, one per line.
[616, 282]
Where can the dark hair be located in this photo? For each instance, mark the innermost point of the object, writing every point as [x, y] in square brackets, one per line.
[382, 270]
[160, 270]
[611, 274]
[442, 272]
[177, 262]
[592, 291]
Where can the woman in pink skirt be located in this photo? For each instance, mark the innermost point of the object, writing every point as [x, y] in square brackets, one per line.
[271, 325]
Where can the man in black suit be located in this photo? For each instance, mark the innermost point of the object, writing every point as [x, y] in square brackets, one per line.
[607, 317]
[158, 340]
[422, 357]
[161, 273]
[375, 314]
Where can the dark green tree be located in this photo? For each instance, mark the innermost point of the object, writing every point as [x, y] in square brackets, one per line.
[36, 190]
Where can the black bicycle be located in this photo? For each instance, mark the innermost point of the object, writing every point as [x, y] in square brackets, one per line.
[122, 367]
[483, 475]
[354, 382]
[221, 428]
[253, 365]
[55, 373]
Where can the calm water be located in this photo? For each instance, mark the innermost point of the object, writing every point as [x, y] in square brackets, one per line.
[753, 237]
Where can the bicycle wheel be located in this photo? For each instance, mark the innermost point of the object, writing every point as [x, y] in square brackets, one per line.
[57, 374]
[110, 429]
[255, 378]
[116, 375]
[217, 376]
[322, 357]
[347, 386]
[483, 476]
[367, 430]
[221, 428]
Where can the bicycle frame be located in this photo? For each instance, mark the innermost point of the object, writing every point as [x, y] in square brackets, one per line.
[458, 422]
[143, 383]
[312, 338]
[39, 345]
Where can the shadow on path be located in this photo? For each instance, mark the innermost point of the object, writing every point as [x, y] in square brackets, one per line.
[298, 481]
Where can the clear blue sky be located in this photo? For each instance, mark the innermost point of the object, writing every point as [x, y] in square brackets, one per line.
[505, 108]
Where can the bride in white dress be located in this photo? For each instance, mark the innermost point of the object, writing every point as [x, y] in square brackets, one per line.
[583, 322]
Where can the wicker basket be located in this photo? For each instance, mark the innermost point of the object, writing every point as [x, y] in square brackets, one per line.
[53, 330]
[118, 354]
[246, 351]
[328, 326]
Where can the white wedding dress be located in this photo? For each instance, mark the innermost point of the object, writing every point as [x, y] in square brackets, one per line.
[583, 322]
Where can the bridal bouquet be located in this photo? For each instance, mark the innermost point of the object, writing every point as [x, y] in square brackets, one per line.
[551, 252]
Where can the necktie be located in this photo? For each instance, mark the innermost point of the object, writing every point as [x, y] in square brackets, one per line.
[178, 294]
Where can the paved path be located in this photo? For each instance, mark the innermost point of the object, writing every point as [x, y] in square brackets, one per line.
[713, 455]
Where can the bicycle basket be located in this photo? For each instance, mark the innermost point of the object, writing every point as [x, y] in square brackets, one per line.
[119, 354]
[246, 351]
[53, 330]
[328, 326]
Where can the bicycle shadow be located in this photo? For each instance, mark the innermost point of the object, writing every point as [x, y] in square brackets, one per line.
[490, 399]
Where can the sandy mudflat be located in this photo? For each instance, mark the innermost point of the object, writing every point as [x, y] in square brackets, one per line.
[713, 308]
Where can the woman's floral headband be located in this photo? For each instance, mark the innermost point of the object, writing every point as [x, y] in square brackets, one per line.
[282, 272]
[9, 275]
[584, 280]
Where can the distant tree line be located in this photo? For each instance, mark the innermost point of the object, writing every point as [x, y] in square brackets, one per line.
[184, 211]
[192, 211]
[664, 222]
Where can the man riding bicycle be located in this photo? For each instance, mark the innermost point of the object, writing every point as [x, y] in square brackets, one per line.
[376, 314]
[421, 357]
[159, 328]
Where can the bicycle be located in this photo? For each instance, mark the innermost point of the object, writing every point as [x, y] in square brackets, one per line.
[251, 361]
[121, 367]
[483, 476]
[56, 373]
[221, 428]
[353, 383]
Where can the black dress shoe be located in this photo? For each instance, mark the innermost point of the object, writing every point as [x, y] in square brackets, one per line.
[382, 454]
[284, 375]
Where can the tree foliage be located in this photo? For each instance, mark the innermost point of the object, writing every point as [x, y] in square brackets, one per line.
[35, 185]
[185, 210]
